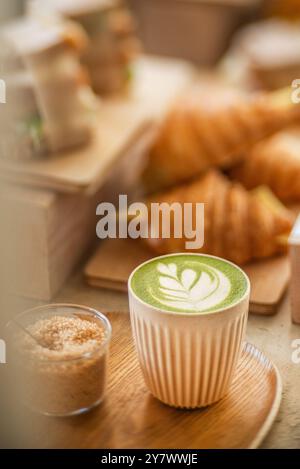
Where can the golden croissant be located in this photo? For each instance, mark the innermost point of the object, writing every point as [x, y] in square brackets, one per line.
[238, 226]
[212, 127]
[274, 162]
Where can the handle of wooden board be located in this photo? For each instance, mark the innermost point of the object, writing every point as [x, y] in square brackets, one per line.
[294, 242]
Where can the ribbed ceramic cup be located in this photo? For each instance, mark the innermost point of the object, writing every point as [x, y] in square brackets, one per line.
[188, 359]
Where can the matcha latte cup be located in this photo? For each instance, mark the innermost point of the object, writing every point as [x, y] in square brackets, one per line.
[188, 315]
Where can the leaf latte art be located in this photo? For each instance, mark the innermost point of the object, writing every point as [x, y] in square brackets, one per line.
[189, 283]
[192, 290]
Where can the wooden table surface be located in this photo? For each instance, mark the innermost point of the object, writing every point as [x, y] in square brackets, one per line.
[273, 335]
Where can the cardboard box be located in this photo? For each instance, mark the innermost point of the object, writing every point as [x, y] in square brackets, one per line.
[47, 233]
[195, 30]
[46, 236]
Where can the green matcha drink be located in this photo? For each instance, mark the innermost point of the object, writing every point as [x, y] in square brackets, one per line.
[188, 283]
[188, 316]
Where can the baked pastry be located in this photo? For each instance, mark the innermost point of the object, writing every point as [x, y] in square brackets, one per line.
[239, 225]
[212, 127]
[275, 162]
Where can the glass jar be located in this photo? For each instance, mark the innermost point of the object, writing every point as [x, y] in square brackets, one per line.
[61, 358]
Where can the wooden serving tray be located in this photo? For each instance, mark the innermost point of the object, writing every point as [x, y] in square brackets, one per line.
[130, 417]
[114, 260]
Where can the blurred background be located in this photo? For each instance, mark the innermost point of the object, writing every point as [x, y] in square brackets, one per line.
[199, 30]
[172, 26]
[11, 9]
[49, 230]
[182, 27]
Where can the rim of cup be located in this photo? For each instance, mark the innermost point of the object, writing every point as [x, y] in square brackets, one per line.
[184, 313]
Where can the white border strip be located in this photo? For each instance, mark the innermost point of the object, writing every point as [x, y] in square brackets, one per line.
[295, 234]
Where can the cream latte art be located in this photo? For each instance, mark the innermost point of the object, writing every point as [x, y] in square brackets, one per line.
[189, 283]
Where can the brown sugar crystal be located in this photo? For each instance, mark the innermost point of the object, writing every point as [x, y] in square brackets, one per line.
[64, 369]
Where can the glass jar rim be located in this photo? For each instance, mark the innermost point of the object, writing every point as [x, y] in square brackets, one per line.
[77, 308]
[185, 314]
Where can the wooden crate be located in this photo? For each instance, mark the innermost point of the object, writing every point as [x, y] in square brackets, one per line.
[47, 235]
[46, 232]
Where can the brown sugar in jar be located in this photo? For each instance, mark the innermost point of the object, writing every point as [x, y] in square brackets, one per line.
[63, 359]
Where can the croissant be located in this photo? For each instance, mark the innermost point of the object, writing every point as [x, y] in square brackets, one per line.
[212, 127]
[274, 162]
[238, 225]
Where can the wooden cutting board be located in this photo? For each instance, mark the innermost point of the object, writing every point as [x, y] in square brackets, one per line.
[114, 260]
[120, 122]
[130, 417]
